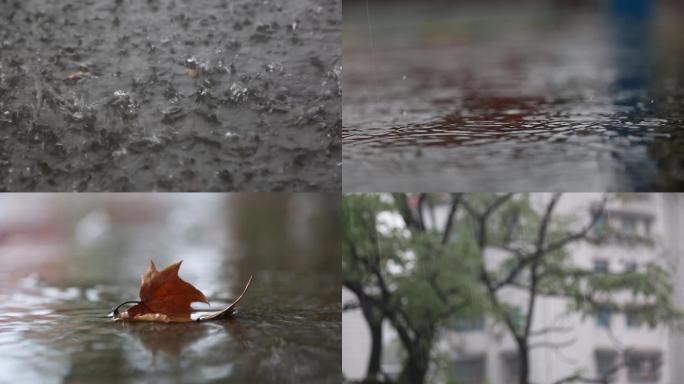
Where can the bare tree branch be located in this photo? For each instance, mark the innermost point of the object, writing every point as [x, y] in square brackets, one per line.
[546, 219]
[553, 345]
[351, 307]
[534, 278]
[455, 201]
[497, 203]
[581, 234]
[482, 241]
[544, 331]
[522, 260]
[405, 211]
[421, 200]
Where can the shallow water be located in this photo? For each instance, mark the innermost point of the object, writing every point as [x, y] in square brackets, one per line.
[55, 291]
[523, 99]
[87, 87]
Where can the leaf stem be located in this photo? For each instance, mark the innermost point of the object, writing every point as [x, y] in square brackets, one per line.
[115, 311]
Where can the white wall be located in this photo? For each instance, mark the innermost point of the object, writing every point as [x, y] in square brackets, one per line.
[355, 340]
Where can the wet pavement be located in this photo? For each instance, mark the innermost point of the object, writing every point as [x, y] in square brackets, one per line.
[170, 95]
[508, 99]
[68, 260]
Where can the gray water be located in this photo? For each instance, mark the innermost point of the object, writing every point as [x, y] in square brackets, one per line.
[56, 285]
[499, 98]
[170, 95]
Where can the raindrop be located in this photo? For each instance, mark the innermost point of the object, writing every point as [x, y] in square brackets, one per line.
[124, 103]
[237, 92]
[274, 67]
[78, 116]
[172, 113]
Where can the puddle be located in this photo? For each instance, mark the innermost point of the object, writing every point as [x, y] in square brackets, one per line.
[53, 298]
[84, 85]
[539, 101]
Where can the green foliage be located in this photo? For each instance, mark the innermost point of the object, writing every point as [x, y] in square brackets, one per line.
[442, 369]
[650, 292]
[428, 279]
[442, 277]
[361, 240]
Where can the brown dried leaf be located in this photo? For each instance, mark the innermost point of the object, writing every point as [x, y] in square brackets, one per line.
[165, 297]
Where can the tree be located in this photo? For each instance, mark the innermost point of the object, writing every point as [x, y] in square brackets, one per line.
[440, 267]
[537, 264]
[360, 265]
[406, 274]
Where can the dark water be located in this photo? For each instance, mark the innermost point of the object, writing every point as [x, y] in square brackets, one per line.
[170, 95]
[531, 98]
[54, 291]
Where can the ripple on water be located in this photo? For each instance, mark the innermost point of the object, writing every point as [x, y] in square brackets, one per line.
[560, 111]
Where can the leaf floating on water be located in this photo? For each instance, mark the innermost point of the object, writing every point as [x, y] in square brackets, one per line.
[165, 297]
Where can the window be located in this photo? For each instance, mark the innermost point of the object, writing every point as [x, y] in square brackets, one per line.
[631, 267]
[606, 362]
[628, 225]
[634, 318]
[470, 371]
[601, 266]
[643, 367]
[466, 325]
[618, 225]
[511, 364]
[601, 225]
[603, 318]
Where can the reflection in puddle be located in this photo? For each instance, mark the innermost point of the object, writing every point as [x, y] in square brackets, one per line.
[168, 338]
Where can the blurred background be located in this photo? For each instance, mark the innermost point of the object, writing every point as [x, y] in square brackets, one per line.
[524, 95]
[66, 260]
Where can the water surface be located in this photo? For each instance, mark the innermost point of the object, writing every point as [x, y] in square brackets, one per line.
[57, 284]
[169, 95]
[525, 98]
